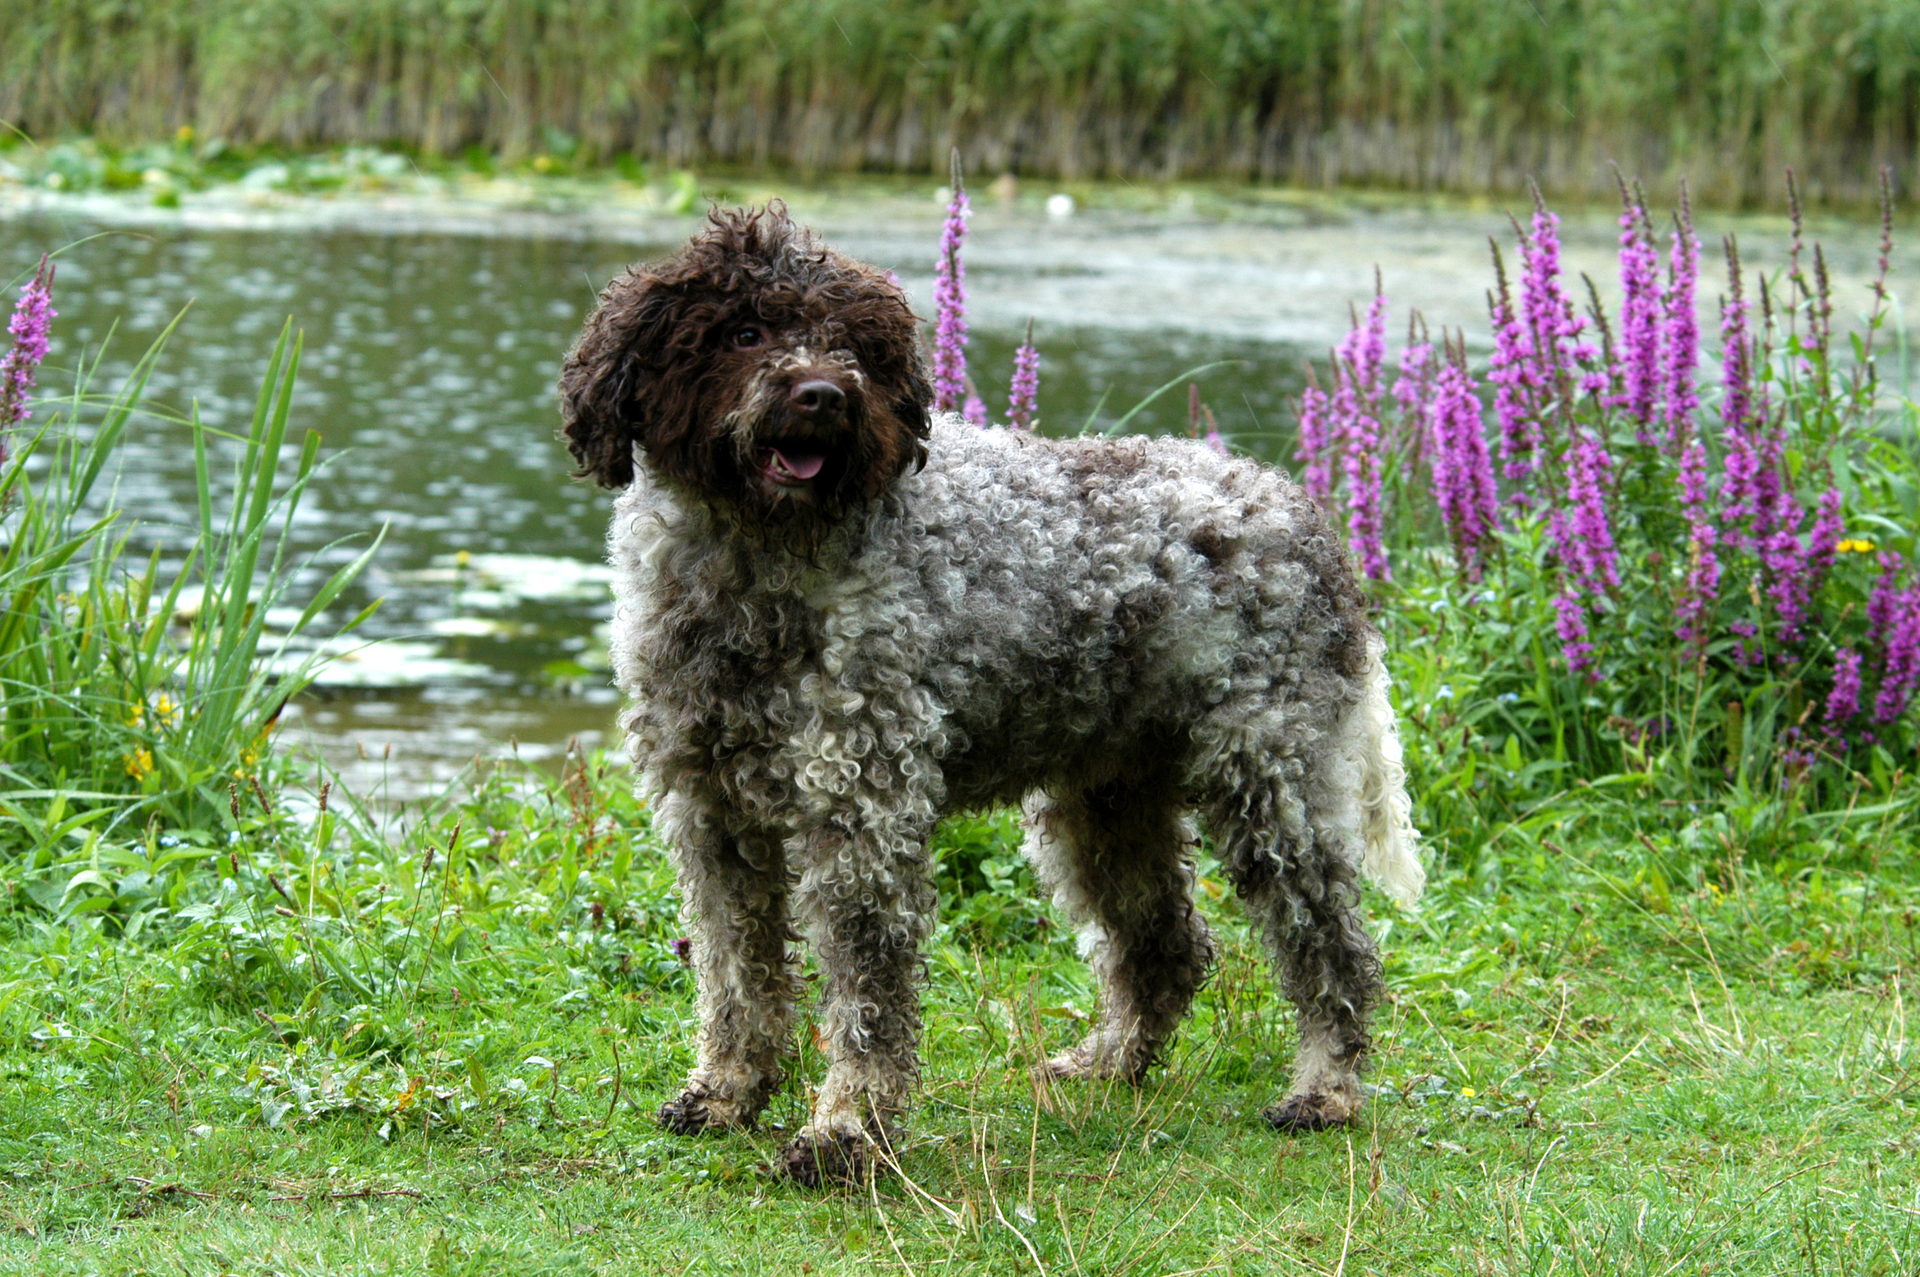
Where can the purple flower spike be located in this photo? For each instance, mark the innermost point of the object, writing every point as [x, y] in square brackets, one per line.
[1785, 560]
[1462, 469]
[1843, 702]
[32, 319]
[950, 304]
[1823, 543]
[1413, 392]
[1316, 411]
[1356, 427]
[1023, 397]
[1883, 602]
[1901, 673]
[1639, 316]
[1516, 396]
[1736, 359]
[1682, 333]
[973, 411]
[1595, 558]
[1570, 622]
[1553, 325]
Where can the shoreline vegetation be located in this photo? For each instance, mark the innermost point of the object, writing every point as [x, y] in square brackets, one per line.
[1393, 93]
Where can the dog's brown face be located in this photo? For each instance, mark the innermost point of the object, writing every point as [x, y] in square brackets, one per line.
[755, 368]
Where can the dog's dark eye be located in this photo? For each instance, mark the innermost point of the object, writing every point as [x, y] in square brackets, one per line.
[747, 336]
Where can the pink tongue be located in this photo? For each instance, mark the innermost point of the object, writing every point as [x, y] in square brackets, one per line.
[802, 465]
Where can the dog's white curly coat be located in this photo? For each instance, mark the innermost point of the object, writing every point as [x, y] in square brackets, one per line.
[1119, 632]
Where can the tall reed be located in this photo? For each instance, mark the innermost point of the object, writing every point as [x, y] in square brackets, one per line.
[1415, 93]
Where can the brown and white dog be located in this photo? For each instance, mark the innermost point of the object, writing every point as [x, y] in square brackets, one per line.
[840, 618]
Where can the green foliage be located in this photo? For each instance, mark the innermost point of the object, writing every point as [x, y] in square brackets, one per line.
[165, 171]
[133, 694]
[1405, 92]
[987, 890]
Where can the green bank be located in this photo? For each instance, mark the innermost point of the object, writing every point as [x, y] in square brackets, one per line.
[1408, 93]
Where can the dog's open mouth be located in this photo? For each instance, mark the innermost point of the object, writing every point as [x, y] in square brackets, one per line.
[792, 463]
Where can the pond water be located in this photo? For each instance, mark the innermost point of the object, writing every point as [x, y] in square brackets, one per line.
[433, 333]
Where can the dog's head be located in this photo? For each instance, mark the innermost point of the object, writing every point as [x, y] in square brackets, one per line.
[756, 368]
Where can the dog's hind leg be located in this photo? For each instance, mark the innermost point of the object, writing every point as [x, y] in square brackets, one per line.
[1295, 862]
[1119, 863]
[734, 889]
[865, 899]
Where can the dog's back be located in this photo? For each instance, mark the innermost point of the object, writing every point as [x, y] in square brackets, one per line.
[1093, 602]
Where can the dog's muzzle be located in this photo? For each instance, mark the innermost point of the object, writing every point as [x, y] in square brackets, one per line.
[810, 443]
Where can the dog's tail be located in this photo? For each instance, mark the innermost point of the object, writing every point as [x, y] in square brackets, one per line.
[1392, 857]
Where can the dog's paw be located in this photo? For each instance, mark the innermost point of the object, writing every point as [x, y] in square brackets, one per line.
[695, 1110]
[1094, 1061]
[1313, 1111]
[830, 1158]
[1061, 1066]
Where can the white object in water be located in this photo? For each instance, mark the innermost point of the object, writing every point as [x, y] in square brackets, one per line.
[1060, 205]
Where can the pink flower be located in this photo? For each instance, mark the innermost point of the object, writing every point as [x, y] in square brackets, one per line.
[1316, 439]
[1639, 316]
[1553, 325]
[1736, 358]
[1356, 424]
[1517, 398]
[33, 317]
[1023, 397]
[950, 305]
[1462, 470]
[1413, 392]
[1884, 601]
[1843, 702]
[1570, 622]
[1682, 334]
[1901, 672]
[1589, 468]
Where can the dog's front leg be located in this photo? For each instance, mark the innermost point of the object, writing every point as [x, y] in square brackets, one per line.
[865, 899]
[734, 892]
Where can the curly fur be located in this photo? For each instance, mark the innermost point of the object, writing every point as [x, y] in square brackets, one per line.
[1123, 635]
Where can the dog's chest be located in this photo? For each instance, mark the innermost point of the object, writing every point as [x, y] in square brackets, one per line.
[738, 656]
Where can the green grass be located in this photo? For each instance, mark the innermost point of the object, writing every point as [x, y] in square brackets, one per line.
[1425, 94]
[332, 1054]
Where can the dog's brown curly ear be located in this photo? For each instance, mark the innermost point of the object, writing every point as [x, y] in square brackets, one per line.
[604, 377]
[914, 408]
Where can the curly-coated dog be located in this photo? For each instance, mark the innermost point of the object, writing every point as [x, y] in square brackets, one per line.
[840, 617]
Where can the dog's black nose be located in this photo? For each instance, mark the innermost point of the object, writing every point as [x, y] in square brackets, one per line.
[819, 399]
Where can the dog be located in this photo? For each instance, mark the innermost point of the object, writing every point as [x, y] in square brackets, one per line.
[840, 616]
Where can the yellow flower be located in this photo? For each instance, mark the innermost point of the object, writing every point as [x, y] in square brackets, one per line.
[140, 763]
[162, 711]
[184, 134]
[1853, 545]
[1467, 1092]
